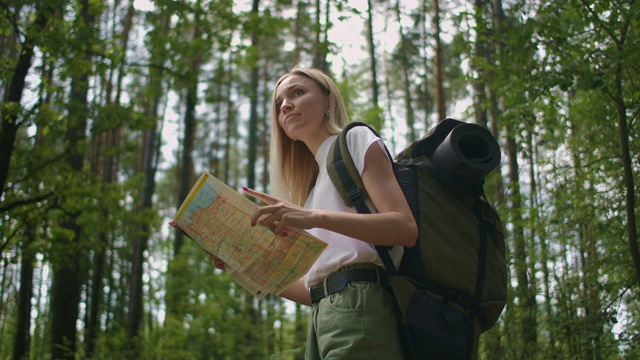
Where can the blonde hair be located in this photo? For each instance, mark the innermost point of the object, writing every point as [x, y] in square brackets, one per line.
[293, 166]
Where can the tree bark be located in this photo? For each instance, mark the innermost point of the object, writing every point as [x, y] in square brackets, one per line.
[320, 45]
[524, 293]
[10, 118]
[375, 89]
[22, 336]
[107, 169]
[188, 143]
[186, 168]
[629, 185]
[148, 166]
[406, 81]
[67, 273]
[253, 110]
[480, 56]
[437, 63]
[230, 128]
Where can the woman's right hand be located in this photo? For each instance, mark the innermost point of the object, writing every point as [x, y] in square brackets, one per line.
[219, 264]
[279, 215]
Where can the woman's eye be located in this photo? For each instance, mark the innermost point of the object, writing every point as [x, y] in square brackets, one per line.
[298, 92]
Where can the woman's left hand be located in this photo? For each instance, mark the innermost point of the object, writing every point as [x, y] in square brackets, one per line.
[278, 215]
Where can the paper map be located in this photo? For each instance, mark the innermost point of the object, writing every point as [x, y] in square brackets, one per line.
[219, 220]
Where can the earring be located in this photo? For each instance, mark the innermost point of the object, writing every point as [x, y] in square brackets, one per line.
[326, 113]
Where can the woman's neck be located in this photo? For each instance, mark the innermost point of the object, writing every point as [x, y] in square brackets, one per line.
[313, 142]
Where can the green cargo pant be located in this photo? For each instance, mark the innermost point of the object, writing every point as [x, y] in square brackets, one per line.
[358, 322]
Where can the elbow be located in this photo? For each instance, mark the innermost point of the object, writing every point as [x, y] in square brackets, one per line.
[412, 234]
[412, 243]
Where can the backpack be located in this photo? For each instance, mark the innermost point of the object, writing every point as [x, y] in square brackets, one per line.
[452, 285]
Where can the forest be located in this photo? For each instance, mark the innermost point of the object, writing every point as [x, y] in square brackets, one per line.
[111, 109]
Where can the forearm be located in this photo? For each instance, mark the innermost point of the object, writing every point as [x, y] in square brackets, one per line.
[385, 229]
[297, 292]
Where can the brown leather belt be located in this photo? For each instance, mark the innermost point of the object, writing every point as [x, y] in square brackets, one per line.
[339, 280]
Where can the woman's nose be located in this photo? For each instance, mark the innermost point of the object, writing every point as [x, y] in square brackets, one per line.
[286, 105]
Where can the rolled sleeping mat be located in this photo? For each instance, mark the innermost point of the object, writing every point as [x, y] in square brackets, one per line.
[469, 153]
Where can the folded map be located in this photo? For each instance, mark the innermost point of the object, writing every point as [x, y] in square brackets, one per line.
[218, 219]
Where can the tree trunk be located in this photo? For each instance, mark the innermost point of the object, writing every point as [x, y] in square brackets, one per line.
[252, 312]
[264, 132]
[188, 143]
[10, 119]
[186, 169]
[437, 63]
[150, 156]
[480, 56]
[135, 305]
[496, 102]
[526, 298]
[320, 45]
[427, 101]
[298, 29]
[65, 298]
[148, 166]
[253, 110]
[629, 185]
[372, 61]
[230, 120]
[107, 169]
[299, 337]
[406, 78]
[67, 273]
[92, 327]
[22, 336]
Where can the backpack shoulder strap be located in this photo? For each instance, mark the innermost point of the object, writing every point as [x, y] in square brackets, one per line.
[343, 172]
[347, 180]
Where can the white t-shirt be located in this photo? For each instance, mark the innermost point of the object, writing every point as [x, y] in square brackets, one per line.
[342, 250]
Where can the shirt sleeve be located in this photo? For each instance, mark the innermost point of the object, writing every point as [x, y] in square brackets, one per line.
[359, 140]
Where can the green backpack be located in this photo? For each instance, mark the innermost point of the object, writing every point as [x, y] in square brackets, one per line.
[452, 285]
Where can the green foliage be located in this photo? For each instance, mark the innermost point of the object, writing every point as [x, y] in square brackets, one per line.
[373, 117]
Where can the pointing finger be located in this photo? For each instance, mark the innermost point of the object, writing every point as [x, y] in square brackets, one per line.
[260, 195]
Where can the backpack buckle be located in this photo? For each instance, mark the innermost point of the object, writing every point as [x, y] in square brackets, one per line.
[355, 195]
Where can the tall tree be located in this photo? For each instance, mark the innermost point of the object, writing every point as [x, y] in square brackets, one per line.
[437, 63]
[524, 291]
[616, 33]
[253, 86]
[10, 122]
[321, 44]
[67, 270]
[299, 24]
[374, 117]
[147, 166]
[189, 61]
[9, 113]
[22, 336]
[105, 164]
[479, 63]
[403, 54]
[426, 100]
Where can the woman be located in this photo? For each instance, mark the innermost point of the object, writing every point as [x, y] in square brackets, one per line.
[352, 311]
